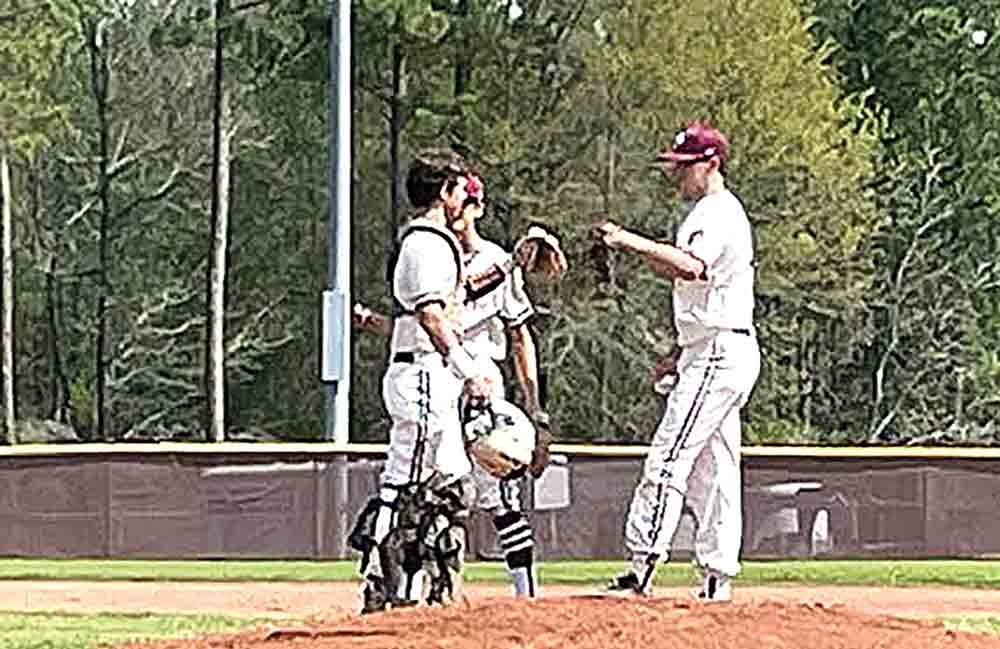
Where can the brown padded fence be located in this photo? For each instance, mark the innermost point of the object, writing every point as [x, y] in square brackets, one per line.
[297, 501]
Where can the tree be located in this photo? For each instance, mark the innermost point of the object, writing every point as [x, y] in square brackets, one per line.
[931, 69]
[215, 359]
[31, 35]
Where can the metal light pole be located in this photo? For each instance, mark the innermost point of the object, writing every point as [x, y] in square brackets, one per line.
[335, 354]
[336, 334]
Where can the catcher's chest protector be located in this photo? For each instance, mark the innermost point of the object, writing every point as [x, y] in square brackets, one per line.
[419, 276]
[423, 225]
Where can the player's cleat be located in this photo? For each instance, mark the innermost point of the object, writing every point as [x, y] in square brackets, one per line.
[625, 585]
[373, 597]
[716, 588]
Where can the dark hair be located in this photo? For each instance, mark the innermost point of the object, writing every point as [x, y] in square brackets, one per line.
[430, 171]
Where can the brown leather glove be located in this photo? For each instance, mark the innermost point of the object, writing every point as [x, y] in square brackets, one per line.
[665, 373]
[543, 438]
[539, 251]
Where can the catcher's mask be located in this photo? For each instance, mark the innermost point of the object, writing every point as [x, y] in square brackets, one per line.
[499, 437]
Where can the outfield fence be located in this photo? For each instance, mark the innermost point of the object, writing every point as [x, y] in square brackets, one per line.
[297, 501]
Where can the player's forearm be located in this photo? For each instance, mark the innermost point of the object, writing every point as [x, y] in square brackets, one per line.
[526, 367]
[438, 326]
[463, 365]
[663, 257]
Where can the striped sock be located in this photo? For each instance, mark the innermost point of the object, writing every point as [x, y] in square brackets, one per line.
[518, 543]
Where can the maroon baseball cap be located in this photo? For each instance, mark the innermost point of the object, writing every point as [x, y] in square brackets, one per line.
[698, 142]
[474, 187]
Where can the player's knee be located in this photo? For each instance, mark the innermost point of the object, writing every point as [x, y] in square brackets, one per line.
[374, 522]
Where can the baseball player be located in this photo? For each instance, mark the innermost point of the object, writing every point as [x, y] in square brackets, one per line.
[490, 312]
[696, 448]
[428, 370]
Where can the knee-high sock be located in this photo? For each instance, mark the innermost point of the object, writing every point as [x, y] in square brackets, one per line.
[518, 544]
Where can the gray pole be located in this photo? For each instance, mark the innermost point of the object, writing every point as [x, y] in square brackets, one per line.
[336, 335]
[336, 353]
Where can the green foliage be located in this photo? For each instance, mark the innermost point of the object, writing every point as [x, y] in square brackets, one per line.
[32, 37]
[932, 72]
[865, 149]
[81, 403]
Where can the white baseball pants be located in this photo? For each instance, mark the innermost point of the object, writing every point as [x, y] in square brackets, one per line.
[695, 454]
[426, 435]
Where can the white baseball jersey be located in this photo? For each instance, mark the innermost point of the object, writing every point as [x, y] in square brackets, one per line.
[427, 270]
[486, 318]
[717, 232]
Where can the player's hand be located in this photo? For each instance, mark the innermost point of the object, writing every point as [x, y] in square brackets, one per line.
[609, 233]
[665, 373]
[361, 316]
[540, 456]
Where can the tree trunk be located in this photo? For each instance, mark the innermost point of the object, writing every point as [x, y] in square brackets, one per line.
[608, 360]
[8, 300]
[100, 75]
[58, 383]
[215, 355]
[463, 69]
[395, 132]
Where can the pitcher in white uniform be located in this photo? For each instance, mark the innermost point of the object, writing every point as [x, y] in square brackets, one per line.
[695, 451]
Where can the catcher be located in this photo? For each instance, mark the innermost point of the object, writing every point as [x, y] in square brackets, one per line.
[426, 464]
[495, 305]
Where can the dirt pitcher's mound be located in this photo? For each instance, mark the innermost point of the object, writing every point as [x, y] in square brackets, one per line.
[590, 623]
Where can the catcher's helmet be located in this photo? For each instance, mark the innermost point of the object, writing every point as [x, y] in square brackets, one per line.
[499, 436]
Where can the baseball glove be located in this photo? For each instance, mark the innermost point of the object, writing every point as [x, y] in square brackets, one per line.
[665, 372]
[538, 251]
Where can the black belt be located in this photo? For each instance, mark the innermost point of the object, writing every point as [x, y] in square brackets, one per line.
[403, 357]
[745, 332]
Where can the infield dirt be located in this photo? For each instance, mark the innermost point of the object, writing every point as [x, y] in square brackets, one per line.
[759, 618]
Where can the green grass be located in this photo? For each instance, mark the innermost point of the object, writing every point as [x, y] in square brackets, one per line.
[970, 574]
[982, 623]
[71, 631]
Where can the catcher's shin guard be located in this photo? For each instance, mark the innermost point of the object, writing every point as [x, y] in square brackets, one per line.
[518, 545]
[449, 560]
[373, 595]
[371, 530]
[399, 554]
[372, 526]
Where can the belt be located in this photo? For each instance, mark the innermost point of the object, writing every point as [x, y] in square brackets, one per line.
[744, 332]
[411, 357]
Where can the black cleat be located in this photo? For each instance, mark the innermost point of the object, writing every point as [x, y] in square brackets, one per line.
[625, 585]
[373, 597]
